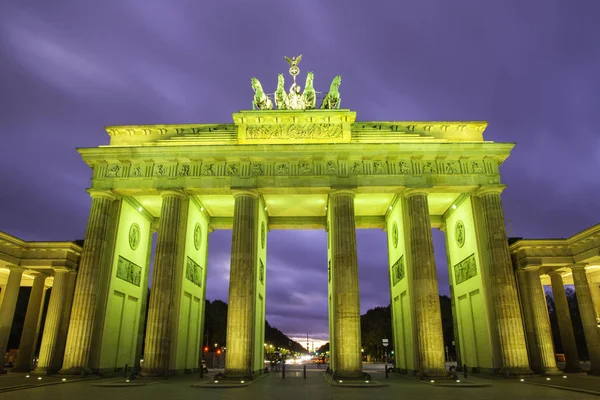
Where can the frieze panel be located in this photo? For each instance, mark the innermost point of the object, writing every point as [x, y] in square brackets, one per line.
[137, 171]
[129, 271]
[405, 167]
[295, 131]
[193, 272]
[327, 167]
[113, 171]
[398, 271]
[464, 270]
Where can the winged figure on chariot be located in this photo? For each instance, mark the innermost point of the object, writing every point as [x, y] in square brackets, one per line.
[295, 98]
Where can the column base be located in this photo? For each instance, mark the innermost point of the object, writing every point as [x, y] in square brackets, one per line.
[595, 372]
[236, 374]
[21, 368]
[348, 375]
[437, 373]
[81, 371]
[156, 373]
[44, 371]
[515, 372]
[551, 372]
[573, 370]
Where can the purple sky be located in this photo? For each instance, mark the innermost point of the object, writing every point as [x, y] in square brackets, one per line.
[531, 68]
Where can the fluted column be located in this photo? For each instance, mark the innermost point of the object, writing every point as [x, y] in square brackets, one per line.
[158, 329]
[588, 316]
[346, 296]
[49, 360]
[543, 331]
[565, 326]
[87, 289]
[595, 291]
[31, 325]
[428, 315]
[240, 313]
[525, 295]
[9, 302]
[509, 321]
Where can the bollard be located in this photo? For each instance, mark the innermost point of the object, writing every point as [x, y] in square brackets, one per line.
[386, 371]
[465, 370]
[283, 369]
[304, 367]
[201, 371]
[125, 374]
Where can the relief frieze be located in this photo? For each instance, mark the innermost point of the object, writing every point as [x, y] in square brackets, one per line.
[398, 271]
[294, 131]
[129, 271]
[193, 272]
[464, 270]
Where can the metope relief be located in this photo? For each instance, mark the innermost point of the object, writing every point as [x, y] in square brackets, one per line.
[232, 170]
[113, 171]
[129, 271]
[465, 270]
[135, 171]
[405, 167]
[477, 167]
[256, 169]
[452, 167]
[398, 271]
[304, 168]
[193, 272]
[429, 167]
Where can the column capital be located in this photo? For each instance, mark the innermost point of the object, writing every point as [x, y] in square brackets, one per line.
[531, 267]
[101, 193]
[245, 192]
[61, 269]
[16, 268]
[415, 191]
[578, 267]
[489, 189]
[336, 192]
[38, 275]
[554, 272]
[176, 193]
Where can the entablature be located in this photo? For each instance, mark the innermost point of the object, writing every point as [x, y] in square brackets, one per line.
[583, 247]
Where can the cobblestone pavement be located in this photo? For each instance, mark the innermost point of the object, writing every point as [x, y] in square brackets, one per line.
[315, 387]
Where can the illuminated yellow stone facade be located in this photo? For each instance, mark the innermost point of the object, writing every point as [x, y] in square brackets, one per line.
[294, 169]
[40, 265]
[558, 262]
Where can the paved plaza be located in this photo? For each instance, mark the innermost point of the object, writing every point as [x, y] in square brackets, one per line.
[315, 386]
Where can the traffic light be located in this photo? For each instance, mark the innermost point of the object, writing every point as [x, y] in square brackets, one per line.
[205, 349]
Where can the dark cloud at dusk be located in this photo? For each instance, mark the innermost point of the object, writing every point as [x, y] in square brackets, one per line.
[530, 68]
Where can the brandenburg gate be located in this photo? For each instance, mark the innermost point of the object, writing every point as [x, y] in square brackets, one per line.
[296, 166]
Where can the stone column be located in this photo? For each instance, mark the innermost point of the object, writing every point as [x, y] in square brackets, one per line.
[509, 321]
[2, 290]
[49, 359]
[87, 289]
[565, 326]
[588, 317]
[158, 328]
[346, 296]
[240, 314]
[31, 325]
[595, 291]
[525, 295]
[9, 303]
[543, 331]
[428, 317]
